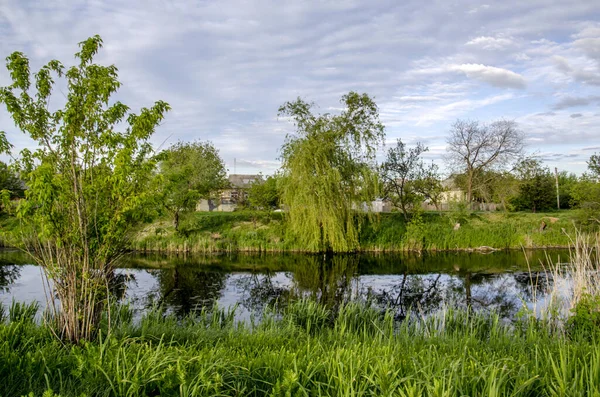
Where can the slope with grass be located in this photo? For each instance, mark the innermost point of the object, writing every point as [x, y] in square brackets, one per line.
[261, 231]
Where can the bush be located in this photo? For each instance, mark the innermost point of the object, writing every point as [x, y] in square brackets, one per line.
[585, 321]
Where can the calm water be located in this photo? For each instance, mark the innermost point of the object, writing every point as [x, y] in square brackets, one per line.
[497, 281]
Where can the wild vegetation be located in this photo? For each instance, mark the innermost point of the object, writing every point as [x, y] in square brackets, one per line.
[95, 187]
[87, 183]
[310, 350]
[267, 232]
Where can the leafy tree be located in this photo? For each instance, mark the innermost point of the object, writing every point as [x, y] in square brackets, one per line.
[328, 171]
[585, 194]
[474, 147]
[407, 181]
[265, 195]
[594, 165]
[10, 185]
[190, 171]
[566, 182]
[491, 186]
[536, 187]
[429, 185]
[88, 184]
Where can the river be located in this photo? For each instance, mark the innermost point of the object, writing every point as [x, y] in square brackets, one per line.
[500, 281]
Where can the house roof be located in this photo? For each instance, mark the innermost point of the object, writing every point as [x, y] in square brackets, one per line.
[450, 184]
[244, 180]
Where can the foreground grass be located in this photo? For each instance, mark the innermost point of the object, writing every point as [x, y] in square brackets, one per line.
[307, 351]
[266, 232]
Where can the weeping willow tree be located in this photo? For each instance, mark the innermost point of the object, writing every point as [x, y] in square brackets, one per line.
[328, 172]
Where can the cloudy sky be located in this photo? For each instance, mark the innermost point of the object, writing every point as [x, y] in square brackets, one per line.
[226, 66]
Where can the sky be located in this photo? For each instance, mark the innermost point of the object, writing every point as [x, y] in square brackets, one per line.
[226, 66]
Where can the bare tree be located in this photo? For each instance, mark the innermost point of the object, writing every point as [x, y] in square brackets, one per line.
[474, 147]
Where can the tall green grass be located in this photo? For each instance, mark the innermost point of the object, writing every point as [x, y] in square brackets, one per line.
[308, 350]
[258, 231]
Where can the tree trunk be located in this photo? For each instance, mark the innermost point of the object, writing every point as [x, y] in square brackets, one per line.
[176, 221]
[470, 189]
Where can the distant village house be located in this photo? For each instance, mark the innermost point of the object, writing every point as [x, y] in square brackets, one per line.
[228, 199]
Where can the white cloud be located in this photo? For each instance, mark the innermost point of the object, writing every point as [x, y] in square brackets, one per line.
[417, 98]
[490, 43]
[497, 77]
[226, 67]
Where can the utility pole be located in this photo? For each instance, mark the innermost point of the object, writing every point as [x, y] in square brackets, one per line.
[557, 193]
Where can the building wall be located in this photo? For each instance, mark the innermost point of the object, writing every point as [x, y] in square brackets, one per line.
[214, 206]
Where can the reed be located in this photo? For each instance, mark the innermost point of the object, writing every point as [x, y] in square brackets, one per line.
[307, 350]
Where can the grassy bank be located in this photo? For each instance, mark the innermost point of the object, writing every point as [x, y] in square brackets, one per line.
[307, 351]
[257, 231]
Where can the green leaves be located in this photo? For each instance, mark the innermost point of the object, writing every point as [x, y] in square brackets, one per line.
[328, 171]
[88, 183]
[407, 181]
[190, 171]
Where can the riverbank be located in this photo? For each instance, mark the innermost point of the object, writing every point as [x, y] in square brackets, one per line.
[258, 231]
[389, 232]
[308, 351]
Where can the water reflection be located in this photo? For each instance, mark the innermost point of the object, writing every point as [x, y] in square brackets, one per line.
[499, 281]
[187, 289]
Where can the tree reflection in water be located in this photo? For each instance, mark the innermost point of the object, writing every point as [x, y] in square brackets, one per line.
[186, 289]
[8, 275]
[500, 281]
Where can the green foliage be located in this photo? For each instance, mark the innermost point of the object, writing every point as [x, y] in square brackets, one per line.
[88, 184]
[265, 195]
[459, 212]
[190, 171]
[22, 312]
[567, 182]
[491, 186]
[328, 172]
[260, 231]
[358, 351]
[536, 187]
[407, 180]
[10, 182]
[594, 165]
[414, 238]
[585, 319]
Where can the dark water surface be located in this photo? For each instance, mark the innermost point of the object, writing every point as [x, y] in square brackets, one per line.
[499, 281]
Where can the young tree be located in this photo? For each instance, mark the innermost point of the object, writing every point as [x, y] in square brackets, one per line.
[474, 147]
[265, 195]
[594, 165]
[190, 171]
[407, 181]
[536, 187]
[328, 171]
[87, 183]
